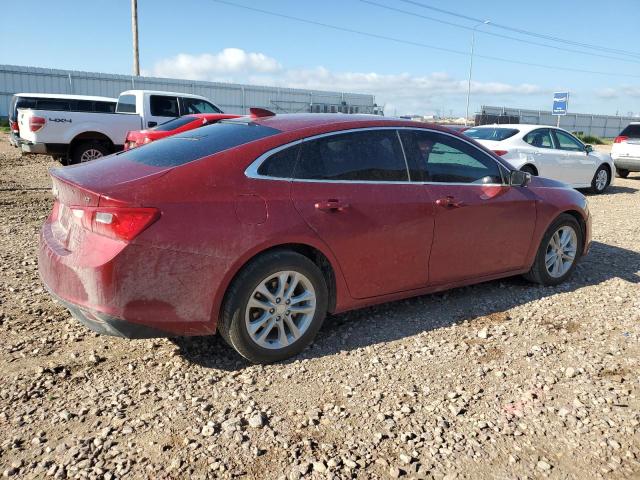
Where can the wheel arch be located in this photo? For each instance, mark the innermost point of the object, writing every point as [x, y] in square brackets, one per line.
[583, 225]
[608, 167]
[91, 136]
[322, 259]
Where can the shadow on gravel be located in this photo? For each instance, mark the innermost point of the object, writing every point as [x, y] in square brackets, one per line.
[611, 190]
[405, 318]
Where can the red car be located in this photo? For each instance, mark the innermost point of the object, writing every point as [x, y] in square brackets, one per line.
[257, 227]
[135, 138]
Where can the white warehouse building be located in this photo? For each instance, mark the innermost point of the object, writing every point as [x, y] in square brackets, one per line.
[231, 97]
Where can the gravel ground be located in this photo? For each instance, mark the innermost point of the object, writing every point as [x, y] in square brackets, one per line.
[499, 380]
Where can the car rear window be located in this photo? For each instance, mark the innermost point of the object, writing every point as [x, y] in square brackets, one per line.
[496, 134]
[632, 131]
[202, 142]
[174, 123]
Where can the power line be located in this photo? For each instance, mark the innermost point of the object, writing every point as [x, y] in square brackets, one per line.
[525, 32]
[417, 44]
[484, 32]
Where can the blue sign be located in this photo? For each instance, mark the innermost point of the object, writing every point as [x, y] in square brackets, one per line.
[560, 103]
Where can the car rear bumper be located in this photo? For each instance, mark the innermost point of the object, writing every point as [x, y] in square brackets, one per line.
[628, 163]
[34, 148]
[14, 139]
[129, 290]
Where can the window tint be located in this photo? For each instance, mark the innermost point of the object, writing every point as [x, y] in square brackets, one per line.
[496, 134]
[437, 157]
[631, 131]
[201, 142]
[567, 142]
[162, 106]
[370, 155]
[281, 164]
[105, 107]
[53, 104]
[83, 106]
[126, 104]
[195, 105]
[540, 138]
[174, 123]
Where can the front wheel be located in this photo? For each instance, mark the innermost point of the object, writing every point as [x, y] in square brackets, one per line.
[601, 180]
[622, 172]
[558, 253]
[275, 307]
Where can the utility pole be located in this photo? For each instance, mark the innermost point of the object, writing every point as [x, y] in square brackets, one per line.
[134, 31]
[473, 43]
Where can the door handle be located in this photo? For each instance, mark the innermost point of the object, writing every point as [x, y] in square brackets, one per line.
[449, 202]
[331, 205]
[151, 124]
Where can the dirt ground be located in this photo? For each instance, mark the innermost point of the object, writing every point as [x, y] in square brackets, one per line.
[499, 380]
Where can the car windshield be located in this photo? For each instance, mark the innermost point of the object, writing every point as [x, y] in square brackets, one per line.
[174, 123]
[195, 144]
[496, 134]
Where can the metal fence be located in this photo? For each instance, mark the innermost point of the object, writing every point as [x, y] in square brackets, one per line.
[231, 97]
[605, 126]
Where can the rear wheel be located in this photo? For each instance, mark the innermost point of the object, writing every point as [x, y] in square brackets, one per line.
[529, 169]
[622, 172]
[87, 151]
[558, 253]
[275, 307]
[601, 179]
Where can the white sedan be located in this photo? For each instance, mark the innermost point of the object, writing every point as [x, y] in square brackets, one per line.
[549, 152]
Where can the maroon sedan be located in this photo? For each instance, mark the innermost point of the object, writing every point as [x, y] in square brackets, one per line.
[257, 227]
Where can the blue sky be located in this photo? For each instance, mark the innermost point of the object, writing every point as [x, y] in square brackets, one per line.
[204, 39]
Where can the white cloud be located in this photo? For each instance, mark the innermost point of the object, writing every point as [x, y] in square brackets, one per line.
[403, 91]
[622, 91]
[230, 61]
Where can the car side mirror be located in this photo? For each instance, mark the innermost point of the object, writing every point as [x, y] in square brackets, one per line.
[588, 148]
[518, 178]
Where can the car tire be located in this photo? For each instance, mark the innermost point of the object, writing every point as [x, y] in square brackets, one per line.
[601, 179]
[529, 169]
[622, 172]
[261, 326]
[87, 151]
[543, 270]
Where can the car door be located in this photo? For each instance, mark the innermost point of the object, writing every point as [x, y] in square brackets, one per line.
[161, 109]
[543, 154]
[482, 225]
[580, 166]
[353, 190]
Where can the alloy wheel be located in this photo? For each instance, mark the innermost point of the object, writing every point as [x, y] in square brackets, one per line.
[561, 251]
[280, 309]
[90, 154]
[601, 179]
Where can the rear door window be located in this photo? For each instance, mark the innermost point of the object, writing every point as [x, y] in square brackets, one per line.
[368, 155]
[194, 144]
[440, 158]
[631, 131]
[196, 105]
[126, 104]
[540, 138]
[164, 106]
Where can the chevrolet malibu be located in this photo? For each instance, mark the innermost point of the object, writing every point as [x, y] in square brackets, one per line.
[257, 227]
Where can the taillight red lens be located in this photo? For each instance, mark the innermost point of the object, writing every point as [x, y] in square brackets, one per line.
[500, 153]
[36, 123]
[14, 126]
[620, 139]
[120, 223]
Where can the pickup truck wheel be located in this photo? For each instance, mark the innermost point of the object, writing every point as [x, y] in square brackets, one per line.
[87, 151]
[622, 172]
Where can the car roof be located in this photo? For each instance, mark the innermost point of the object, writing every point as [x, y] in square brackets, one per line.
[290, 122]
[161, 92]
[523, 127]
[66, 97]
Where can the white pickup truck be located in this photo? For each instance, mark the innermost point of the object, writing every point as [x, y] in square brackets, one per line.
[74, 136]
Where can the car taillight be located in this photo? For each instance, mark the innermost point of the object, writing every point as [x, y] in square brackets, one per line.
[36, 123]
[120, 223]
[500, 153]
[620, 139]
[14, 126]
